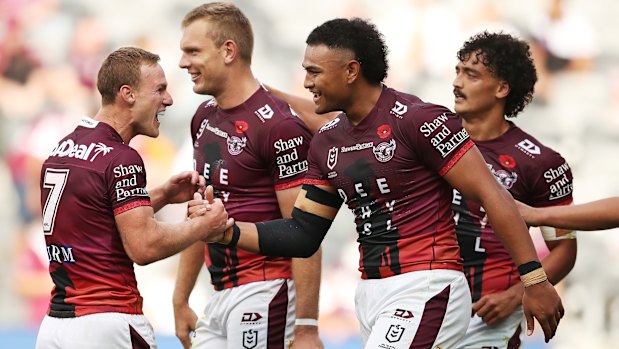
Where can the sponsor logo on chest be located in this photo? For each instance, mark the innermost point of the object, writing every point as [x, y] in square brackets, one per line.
[70, 149]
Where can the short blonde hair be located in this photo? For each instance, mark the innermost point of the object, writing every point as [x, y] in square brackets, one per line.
[230, 24]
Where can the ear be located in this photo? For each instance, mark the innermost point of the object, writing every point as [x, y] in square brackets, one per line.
[503, 90]
[229, 51]
[127, 94]
[353, 71]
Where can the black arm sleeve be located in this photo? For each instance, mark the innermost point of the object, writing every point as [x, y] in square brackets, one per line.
[299, 236]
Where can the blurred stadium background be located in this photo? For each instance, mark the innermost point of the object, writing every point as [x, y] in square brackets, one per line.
[50, 51]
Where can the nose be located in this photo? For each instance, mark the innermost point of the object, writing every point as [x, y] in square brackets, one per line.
[457, 83]
[308, 82]
[183, 63]
[167, 100]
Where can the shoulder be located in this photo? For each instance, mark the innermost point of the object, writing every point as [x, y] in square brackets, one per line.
[411, 108]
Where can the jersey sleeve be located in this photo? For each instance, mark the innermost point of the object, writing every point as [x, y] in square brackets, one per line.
[440, 139]
[126, 181]
[288, 145]
[554, 183]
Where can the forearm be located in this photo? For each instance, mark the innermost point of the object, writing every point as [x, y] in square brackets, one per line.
[595, 215]
[510, 228]
[306, 273]
[189, 266]
[561, 259]
[157, 198]
[162, 240]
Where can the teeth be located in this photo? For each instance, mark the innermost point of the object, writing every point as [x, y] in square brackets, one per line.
[160, 114]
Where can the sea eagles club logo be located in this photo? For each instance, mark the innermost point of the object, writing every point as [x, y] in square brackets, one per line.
[384, 151]
[236, 144]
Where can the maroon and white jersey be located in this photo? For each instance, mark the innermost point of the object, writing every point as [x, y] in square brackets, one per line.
[89, 177]
[247, 153]
[533, 174]
[388, 170]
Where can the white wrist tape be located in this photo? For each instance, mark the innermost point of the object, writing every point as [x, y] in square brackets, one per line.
[306, 322]
[550, 234]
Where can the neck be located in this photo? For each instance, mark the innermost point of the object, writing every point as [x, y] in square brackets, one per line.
[363, 100]
[485, 126]
[118, 120]
[240, 85]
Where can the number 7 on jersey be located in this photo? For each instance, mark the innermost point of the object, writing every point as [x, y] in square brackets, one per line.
[54, 179]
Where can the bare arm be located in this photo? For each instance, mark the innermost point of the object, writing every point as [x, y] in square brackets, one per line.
[471, 177]
[189, 266]
[147, 240]
[305, 109]
[306, 274]
[595, 215]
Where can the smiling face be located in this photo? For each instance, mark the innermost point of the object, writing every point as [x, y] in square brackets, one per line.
[151, 100]
[476, 89]
[327, 77]
[203, 60]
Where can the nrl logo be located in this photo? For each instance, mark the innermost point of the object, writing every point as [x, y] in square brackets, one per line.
[384, 151]
[236, 144]
[394, 334]
[250, 339]
[332, 158]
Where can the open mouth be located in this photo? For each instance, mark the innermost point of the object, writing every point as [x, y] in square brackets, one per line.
[159, 115]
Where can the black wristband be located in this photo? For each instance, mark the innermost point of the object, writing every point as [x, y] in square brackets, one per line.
[528, 267]
[236, 235]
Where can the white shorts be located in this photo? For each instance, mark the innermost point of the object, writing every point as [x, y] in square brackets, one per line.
[421, 309]
[258, 315]
[96, 331]
[507, 334]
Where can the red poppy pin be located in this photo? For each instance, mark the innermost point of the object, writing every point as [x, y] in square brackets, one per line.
[240, 126]
[507, 161]
[384, 131]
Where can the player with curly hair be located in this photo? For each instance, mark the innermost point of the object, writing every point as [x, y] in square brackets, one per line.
[495, 78]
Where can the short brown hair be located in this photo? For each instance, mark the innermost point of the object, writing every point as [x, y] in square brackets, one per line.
[122, 67]
[230, 24]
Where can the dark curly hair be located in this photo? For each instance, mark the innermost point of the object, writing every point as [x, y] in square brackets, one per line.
[508, 59]
[359, 36]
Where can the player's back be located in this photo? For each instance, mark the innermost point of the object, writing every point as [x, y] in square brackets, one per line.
[90, 176]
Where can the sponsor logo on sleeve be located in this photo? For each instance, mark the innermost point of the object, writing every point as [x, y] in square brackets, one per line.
[529, 148]
[441, 137]
[559, 183]
[127, 187]
[329, 125]
[398, 110]
[384, 151]
[287, 157]
[90, 152]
